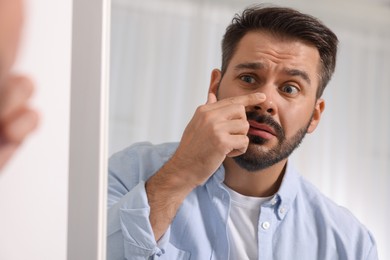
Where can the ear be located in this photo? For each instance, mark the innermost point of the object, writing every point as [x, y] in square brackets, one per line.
[318, 109]
[214, 81]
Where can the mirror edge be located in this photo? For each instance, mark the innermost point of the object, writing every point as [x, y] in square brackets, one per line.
[88, 130]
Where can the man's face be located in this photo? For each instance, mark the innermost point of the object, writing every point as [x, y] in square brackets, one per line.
[11, 19]
[286, 71]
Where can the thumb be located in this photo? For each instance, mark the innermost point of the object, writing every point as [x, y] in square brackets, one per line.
[211, 98]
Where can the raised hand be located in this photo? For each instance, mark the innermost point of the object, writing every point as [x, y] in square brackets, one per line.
[217, 129]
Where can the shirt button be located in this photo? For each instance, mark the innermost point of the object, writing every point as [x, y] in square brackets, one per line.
[282, 210]
[273, 201]
[265, 225]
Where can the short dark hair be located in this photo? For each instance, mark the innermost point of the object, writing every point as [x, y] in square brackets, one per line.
[285, 22]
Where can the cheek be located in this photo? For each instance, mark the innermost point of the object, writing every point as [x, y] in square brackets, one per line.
[294, 119]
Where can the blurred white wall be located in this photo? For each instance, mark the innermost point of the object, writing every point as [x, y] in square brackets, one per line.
[34, 185]
[164, 50]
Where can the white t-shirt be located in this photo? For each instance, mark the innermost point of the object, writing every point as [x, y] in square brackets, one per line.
[242, 225]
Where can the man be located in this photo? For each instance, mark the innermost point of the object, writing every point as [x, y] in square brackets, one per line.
[227, 190]
[17, 120]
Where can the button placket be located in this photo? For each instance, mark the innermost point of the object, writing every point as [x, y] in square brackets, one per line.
[265, 229]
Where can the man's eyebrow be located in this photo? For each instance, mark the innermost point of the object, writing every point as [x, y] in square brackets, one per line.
[258, 65]
[300, 73]
[250, 65]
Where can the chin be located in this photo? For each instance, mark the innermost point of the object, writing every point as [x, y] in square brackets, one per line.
[255, 158]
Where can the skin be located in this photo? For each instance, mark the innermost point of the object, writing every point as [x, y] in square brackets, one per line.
[11, 21]
[17, 120]
[267, 75]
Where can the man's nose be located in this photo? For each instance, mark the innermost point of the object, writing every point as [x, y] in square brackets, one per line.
[268, 106]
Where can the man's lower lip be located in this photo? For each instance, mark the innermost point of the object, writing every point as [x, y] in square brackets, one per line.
[260, 133]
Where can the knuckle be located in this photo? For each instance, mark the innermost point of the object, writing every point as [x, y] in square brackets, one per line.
[200, 109]
[202, 113]
[207, 117]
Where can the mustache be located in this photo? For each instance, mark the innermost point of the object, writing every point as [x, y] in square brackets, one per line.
[267, 120]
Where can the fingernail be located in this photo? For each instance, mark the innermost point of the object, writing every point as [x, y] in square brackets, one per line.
[260, 95]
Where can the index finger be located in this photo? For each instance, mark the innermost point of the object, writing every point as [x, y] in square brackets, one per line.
[245, 100]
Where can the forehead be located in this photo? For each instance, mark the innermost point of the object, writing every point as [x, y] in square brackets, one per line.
[276, 51]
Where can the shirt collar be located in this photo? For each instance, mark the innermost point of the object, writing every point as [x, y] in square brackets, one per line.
[282, 200]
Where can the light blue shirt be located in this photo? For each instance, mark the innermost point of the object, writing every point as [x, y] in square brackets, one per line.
[298, 223]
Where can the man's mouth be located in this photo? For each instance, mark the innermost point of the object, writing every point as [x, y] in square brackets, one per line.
[262, 130]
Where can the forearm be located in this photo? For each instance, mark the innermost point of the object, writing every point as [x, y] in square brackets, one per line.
[166, 191]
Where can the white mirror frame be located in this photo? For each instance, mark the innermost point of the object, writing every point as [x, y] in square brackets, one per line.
[88, 130]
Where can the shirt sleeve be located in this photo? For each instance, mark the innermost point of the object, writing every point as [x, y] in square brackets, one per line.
[129, 224]
[372, 252]
[129, 232]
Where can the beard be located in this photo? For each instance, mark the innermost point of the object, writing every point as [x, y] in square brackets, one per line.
[257, 157]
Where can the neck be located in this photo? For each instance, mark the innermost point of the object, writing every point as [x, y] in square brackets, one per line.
[263, 183]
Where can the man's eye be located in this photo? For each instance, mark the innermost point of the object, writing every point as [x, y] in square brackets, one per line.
[248, 79]
[290, 89]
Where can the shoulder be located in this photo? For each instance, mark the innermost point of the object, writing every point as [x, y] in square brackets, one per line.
[139, 161]
[322, 204]
[146, 148]
[324, 207]
[143, 152]
[336, 223]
